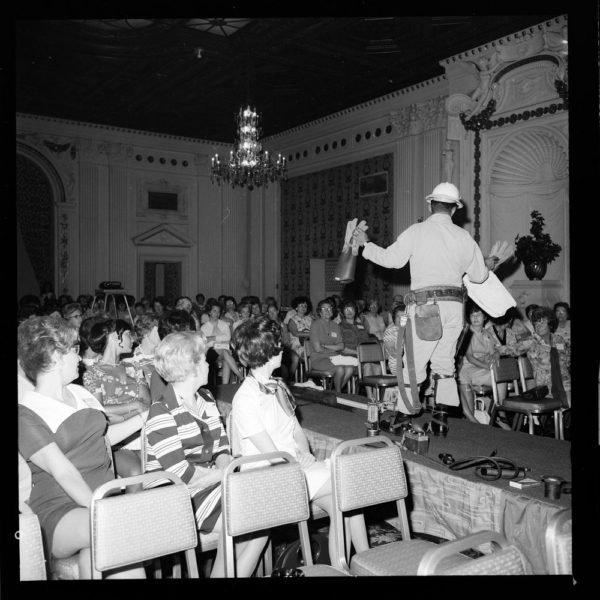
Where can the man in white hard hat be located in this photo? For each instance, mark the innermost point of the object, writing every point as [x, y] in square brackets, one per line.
[439, 253]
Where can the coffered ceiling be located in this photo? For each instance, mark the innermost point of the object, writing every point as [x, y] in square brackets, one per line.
[189, 76]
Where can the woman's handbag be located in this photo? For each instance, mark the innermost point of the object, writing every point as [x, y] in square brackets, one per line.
[535, 394]
[428, 322]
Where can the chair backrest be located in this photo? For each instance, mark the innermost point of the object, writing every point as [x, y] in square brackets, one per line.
[370, 352]
[504, 559]
[134, 527]
[506, 371]
[364, 477]
[525, 371]
[143, 448]
[261, 498]
[233, 440]
[559, 543]
[307, 350]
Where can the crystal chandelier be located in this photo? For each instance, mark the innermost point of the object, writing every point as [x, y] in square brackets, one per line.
[248, 165]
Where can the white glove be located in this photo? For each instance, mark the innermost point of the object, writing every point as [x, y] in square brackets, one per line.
[350, 227]
[502, 251]
[363, 227]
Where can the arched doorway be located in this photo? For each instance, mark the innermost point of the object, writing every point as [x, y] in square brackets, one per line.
[35, 227]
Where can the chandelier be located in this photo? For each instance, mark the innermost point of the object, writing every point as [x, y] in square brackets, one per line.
[248, 165]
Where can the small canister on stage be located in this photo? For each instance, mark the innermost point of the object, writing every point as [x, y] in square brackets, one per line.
[372, 418]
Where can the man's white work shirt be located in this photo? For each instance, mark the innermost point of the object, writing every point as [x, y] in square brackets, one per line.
[439, 253]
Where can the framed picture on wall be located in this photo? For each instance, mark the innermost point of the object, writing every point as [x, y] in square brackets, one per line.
[370, 185]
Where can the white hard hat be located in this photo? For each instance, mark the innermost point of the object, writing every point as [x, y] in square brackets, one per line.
[445, 192]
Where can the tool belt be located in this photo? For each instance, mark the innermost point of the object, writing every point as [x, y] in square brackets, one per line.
[422, 295]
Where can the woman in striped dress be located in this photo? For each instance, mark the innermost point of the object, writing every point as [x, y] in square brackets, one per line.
[185, 435]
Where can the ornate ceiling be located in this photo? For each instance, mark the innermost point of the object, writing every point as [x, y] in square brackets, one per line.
[189, 76]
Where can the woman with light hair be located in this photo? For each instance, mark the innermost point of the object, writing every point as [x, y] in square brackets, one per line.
[62, 430]
[185, 436]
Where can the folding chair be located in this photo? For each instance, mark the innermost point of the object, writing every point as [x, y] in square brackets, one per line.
[206, 541]
[559, 543]
[265, 497]
[510, 370]
[374, 475]
[372, 352]
[128, 529]
[505, 559]
[325, 377]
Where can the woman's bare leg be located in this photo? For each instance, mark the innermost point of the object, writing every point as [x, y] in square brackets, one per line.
[247, 552]
[467, 401]
[355, 528]
[72, 534]
[229, 361]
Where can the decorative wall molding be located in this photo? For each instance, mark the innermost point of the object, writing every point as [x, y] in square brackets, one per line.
[60, 155]
[162, 185]
[358, 107]
[124, 130]
[530, 158]
[162, 235]
[419, 117]
[535, 59]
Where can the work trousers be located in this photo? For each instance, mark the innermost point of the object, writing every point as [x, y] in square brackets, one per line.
[440, 352]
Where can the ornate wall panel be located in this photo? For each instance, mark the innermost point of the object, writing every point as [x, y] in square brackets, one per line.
[314, 211]
[35, 217]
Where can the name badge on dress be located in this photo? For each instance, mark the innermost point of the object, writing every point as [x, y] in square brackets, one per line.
[560, 346]
[333, 334]
[360, 327]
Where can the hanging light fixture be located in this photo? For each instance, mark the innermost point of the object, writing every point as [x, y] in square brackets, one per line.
[248, 165]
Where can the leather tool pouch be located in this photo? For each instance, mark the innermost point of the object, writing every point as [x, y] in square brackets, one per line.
[428, 323]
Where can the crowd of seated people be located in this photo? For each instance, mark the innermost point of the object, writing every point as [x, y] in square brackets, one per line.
[112, 380]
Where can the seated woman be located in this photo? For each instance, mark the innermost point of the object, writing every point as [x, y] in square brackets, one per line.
[217, 333]
[503, 335]
[120, 388]
[562, 312]
[231, 315]
[146, 330]
[354, 332]
[261, 424]
[244, 313]
[62, 431]
[185, 303]
[475, 368]
[374, 321]
[185, 435]
[539, 349]
[73, 314]
[290, 360]
[326, 345]
[299, 323]
[390, 338]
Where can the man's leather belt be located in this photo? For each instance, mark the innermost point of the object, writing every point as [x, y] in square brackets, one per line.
[421, 296]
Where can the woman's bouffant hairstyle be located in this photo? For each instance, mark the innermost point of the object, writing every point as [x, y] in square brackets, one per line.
[69, 309]
[256, 341]
[85, 329]
[176, 320]
[178, 354]
[543, 312]
[38, 338]
[99, 333]
[352, 304]
[323, 302]
[566, 306]
[299, 300]
[144, 325]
